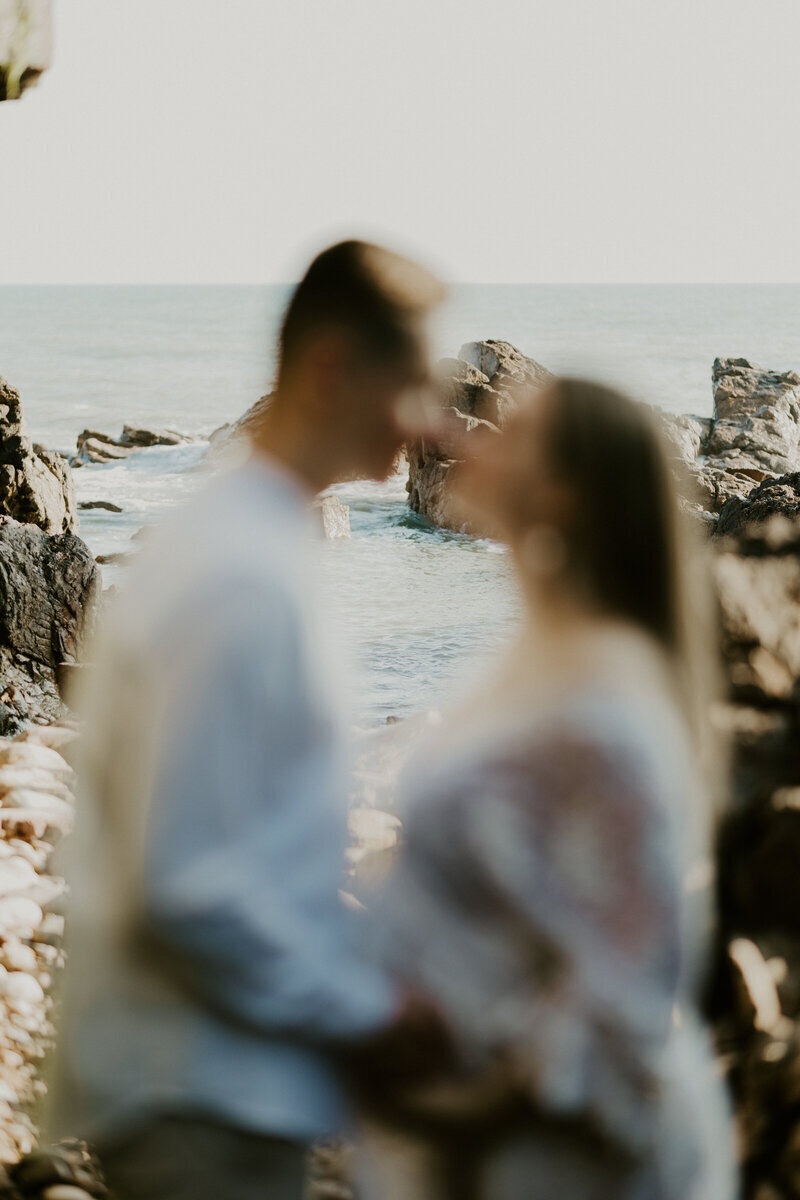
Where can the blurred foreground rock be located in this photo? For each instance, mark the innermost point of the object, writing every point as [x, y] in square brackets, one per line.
[26, 44]
[36, 809]
[35, 483]
[756, 996]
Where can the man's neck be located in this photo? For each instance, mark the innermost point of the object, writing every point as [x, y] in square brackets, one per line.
[291, 442]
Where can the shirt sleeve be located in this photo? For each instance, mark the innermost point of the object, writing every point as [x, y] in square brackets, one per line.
[246, 837]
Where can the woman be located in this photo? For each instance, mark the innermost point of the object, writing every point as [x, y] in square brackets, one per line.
[551, 896]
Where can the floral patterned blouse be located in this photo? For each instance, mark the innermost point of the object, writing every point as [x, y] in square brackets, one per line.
[544, 898]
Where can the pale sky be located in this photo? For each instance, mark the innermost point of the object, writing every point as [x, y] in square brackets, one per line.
[210, 141]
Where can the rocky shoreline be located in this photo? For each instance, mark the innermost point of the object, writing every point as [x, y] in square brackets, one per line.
[740, 474]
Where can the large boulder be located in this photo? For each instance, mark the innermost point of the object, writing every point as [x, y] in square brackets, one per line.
[35, 483]
[49, 587]
[752, 438]
[479, 390]
[756, 423]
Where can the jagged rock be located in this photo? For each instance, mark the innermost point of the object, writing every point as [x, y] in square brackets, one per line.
[49, 586]
[96, 447]
[480, 388]
[772, 497]
[685, 434]
[246, 424]
[756, 417]
[504, 365]
[35, 483]
[752, 438]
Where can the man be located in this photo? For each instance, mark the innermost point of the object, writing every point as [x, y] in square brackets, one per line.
[212, 974]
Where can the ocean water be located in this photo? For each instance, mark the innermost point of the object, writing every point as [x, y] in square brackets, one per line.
[419, 607]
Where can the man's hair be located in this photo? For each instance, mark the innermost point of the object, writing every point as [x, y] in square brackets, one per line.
[376, 295]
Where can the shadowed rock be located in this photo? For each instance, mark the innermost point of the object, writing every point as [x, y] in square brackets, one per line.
[772, 497]
[49, 586]
[35, 483]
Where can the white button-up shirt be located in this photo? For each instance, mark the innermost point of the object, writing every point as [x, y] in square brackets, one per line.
[212, 966]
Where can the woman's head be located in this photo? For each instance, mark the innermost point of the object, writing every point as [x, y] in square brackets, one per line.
[578, 484]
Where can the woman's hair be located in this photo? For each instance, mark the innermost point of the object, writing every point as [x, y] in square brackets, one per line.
[628, 542]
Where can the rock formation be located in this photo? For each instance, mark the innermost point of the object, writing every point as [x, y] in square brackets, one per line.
[48, 592]
[753, 436]
[479, 390]
[228, 434]
[94, 447]
[756, 997]
[35, 483]
[779, 496]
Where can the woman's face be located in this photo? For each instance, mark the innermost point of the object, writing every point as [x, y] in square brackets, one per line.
[507, 485]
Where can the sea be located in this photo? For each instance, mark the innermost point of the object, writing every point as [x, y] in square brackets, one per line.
[419, 609]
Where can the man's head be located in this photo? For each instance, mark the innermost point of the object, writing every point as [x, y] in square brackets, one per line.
[353, 353]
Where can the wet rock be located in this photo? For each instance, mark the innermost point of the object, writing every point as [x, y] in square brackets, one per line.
[96, 447]
[107, 505]
[35, 483]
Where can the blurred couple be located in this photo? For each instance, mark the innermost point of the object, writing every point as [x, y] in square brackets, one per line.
[527, 1025]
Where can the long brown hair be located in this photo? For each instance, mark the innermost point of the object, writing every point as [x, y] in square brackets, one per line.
[628, 542]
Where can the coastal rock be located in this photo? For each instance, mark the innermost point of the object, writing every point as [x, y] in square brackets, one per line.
[49, 587]
[96, 447]
[35, 483]
[430, 474]
[479, 390]
[756, 418]
[235, 431]
[773, 497]
[752, 438]
[504, 365]
[335, 517]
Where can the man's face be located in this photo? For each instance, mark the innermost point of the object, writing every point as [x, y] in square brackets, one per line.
[387, 404]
